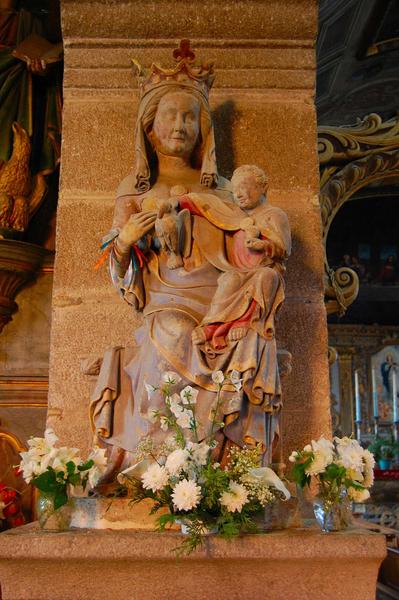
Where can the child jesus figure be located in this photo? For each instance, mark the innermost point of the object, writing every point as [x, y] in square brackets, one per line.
[248, 295]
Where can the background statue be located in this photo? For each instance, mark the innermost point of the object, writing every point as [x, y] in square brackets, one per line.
[30, 115]
[214, 312]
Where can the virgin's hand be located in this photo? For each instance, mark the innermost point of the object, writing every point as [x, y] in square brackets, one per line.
[137, 226]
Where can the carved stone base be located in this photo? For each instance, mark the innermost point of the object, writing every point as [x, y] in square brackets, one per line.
[19, 262]
[293, 564]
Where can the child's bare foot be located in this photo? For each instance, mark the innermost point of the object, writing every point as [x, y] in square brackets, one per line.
[236, 333]
[198, 336]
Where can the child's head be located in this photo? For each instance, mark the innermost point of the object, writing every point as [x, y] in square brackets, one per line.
[249, 186]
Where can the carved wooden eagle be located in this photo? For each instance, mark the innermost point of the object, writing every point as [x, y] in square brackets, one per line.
[20, 193]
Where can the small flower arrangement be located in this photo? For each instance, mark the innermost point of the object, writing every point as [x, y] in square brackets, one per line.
[339, 466]
[52, 470]
[182, 475]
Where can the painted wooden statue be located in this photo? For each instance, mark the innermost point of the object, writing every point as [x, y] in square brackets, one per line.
[203, 259]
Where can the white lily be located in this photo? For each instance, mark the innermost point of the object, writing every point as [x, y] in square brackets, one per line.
[135, 471]
[268, 477]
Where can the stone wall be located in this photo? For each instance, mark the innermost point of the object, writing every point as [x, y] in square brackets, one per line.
[24, 360]
[263, 102]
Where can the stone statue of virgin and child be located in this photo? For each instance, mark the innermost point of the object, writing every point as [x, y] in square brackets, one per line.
[202, 259]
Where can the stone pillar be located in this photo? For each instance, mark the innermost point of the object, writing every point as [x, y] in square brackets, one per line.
[263, 102]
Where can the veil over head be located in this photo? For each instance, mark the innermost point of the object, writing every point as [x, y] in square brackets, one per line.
[205, 153]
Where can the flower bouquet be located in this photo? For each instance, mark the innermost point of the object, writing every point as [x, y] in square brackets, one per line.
[10, 508]
[343, 471]
[181, 474]
[53, 470]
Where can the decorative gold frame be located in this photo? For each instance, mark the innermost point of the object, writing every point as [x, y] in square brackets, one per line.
[350, 159]
[13, 440]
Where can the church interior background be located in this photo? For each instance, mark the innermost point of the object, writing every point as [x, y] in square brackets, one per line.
[358, 146]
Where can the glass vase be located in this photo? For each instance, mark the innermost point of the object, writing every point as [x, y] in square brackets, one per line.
[50, 518]
[206, 529]
[333, 515]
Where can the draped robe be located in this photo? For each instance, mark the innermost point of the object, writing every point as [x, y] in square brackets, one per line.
[174, 302]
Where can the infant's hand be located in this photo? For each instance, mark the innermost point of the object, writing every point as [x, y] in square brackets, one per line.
[252, 232]
[255, 244]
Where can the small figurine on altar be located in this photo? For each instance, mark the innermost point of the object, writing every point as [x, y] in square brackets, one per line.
[258, 250]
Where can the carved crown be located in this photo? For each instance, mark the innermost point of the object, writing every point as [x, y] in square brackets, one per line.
[185, 72]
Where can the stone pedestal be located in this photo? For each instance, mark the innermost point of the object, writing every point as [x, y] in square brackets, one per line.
[127, 565]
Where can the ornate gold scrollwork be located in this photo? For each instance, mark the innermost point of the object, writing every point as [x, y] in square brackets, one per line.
[370, 150]
[12, 441]
[332, 355]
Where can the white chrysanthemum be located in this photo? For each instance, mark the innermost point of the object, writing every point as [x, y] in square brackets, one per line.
[323, 456]
[368, 479]
[189, 395]
[350, 458]
[358, 495]
[186, 494]
[199, 452]
[235, 497]
[354, 475]
[155, 478]
[176, 461]
[218, 377]
[369, 464]
[170, 377]
[369, 459]
[293, 456]
[345, 441]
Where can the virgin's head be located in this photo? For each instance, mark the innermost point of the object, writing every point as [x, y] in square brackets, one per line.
[176, 121]
[176, 127]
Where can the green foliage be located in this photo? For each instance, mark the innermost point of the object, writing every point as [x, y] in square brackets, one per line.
[56, 482]
[195, 537]
[164, 520]
[384, 448]
[298, 471]
[215, 482]
[49, 482]
[84, 467]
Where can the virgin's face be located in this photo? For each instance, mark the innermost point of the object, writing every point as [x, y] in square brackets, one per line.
[176, 125]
